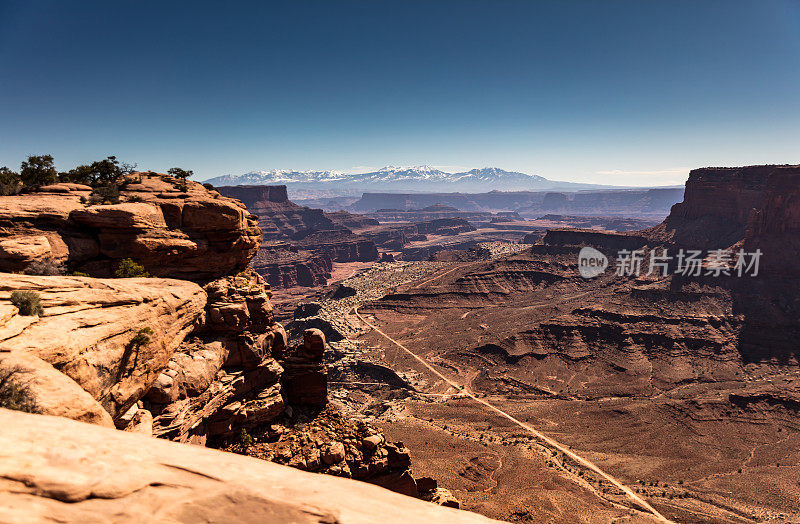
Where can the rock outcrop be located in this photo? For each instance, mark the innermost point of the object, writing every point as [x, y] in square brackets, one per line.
[716, 207]
[328, 441]
[340, 246]
[306, 378]
[86, 331]
[72, 472]
[194, 234]
[226, 377]
[610, 241]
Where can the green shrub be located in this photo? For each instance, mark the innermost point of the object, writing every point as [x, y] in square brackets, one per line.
[102, 173]
[105, 195]
[78, 274]
[139, 340]
[127, 268]
[135, 198]
[10, 182]
[14, 393]
[28, 302]
[245, 438]
[208, 186]
[181, 175]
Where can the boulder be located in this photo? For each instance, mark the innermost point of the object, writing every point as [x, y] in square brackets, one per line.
[141, 422]
[444, 497]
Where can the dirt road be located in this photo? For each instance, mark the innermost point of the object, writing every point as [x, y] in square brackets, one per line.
[639, 501]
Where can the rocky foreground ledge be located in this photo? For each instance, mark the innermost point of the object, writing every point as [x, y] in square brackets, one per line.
[54, 469]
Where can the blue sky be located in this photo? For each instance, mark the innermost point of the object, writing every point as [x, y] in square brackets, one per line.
[629, 92]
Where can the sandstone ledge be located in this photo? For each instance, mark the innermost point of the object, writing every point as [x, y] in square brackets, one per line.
[54, 469]
[87, 325]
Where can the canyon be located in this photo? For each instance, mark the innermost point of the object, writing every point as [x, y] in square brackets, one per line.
[196, 360]
[451, 355]
[683, 387]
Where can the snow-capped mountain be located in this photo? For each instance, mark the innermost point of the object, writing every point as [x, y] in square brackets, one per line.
[279, 176]
[395, 178]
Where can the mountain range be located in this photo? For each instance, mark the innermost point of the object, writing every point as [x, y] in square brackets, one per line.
[406, 179]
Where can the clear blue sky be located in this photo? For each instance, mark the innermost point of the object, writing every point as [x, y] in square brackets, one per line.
[633, 92]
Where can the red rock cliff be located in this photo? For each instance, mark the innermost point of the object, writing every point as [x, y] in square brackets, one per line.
[717, 205]
[194, 234]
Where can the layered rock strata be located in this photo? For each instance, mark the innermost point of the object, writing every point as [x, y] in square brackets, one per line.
[194, 234]
[85, 333]
[300, 244]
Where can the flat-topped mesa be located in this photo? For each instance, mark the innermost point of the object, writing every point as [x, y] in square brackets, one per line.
[717, 204]
[609, 240]
[279, 217]
[194, 234]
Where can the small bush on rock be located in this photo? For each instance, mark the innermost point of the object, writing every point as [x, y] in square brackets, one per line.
[105, 195]
[28, 302]
[10, 182]
[46, 267]
[140, 339]
[182, 175]
[14, 393]
[127, 268]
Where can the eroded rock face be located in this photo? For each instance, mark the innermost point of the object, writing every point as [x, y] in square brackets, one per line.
[300, 243]
[226, 378]
[717, 205]
[194, 235]
[284, 265]
[71, 472]
[774, 228]
[87, 327]
[306, 377]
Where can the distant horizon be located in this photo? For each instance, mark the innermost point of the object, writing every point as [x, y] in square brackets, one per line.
[447, 169]
[615, 93]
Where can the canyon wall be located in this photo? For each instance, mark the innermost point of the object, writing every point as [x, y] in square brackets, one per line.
[300, 244]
